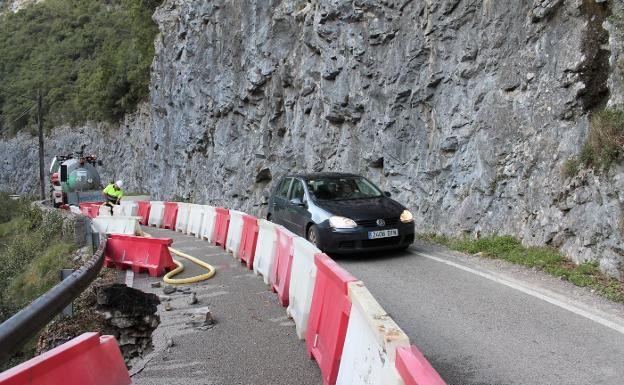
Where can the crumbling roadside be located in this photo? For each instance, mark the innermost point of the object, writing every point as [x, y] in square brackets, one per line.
[109, 308]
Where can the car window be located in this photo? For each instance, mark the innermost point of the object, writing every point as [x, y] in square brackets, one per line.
[297, 191]
[282, 190]
[343, 188]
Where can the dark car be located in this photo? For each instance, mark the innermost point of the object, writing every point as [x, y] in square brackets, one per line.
[341, 213]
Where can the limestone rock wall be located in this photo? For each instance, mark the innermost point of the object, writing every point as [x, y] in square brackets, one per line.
[465, 110]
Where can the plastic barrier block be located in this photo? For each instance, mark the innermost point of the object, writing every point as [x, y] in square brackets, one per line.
[139, 253]
[235, 230]
[280, 271]
[208, 223]
[129, 208]
[302, 277]
[222, 222]
[89, 359]
[329, 316]
[157, 213]
[90, 209]
[118, 211]
[183, 217]
[104, 211]
[414, 368]
[196, 219]
[144, 211]
[116, 225]
[170, 215]
[265, 249]
[248, 240]
[368, 356]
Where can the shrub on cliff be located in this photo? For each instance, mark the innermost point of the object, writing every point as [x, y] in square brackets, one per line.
[90, 58]
[604, 145]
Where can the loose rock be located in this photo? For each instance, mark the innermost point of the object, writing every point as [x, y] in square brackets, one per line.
[168, 289]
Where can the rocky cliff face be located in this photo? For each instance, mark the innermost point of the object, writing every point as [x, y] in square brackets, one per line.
[465, 110]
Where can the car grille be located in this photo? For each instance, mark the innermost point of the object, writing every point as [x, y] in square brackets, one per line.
[373, 222]
[347, 245]
[381, 242]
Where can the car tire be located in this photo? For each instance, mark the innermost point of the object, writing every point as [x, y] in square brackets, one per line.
[313, 236]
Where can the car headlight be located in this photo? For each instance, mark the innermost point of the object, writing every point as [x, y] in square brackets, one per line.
[406, 216]
[342, 223]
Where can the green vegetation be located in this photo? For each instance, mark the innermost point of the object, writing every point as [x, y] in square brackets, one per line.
[31, 253]
[90, 58]
[604, 146]
[546, 259]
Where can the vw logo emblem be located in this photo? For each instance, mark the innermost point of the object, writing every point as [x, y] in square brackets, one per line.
[381, 222]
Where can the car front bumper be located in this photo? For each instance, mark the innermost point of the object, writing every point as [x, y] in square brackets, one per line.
[349, 241]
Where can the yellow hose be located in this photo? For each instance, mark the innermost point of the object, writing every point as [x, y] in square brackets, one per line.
[181, 281]
[202, 277]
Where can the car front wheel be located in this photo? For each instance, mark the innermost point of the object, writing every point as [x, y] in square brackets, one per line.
[313, 235]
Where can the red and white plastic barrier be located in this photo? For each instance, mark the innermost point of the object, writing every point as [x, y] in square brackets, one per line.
[248, 241]
[368, 356]
[116, 225]
[222, 223]
[208, 223]
[183, 217]
[129, 208]
[302, 278]
[282, 263]
[139, 254]
[196, 218]
[329, 316]
[265, 249]
[90, 209]
[89, 359]
[104, 211]
[170, 215]
[143, 211]
[157, 213]
[235, 230]
[414, 368]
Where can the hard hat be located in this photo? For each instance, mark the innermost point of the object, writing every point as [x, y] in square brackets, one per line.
[119, 183]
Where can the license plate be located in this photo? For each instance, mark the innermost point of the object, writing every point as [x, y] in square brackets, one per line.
[383, 234]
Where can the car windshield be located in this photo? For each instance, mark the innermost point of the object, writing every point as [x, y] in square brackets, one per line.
[342, 188]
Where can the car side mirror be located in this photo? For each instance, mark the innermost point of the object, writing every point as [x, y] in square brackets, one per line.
[297, 202]
[387, 193]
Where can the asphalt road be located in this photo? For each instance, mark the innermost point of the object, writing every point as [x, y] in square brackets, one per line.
[253, 342]
[472, 329]
[477, 331]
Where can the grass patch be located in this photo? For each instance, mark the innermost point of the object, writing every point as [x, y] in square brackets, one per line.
[604, 146]
[31, 253]
[546, 259]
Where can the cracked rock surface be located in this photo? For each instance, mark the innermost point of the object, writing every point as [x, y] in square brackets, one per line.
[464, 110]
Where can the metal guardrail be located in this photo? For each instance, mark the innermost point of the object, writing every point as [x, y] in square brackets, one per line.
[15, 331]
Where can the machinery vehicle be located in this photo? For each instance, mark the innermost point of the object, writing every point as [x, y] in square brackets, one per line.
[75, 179]
[341, 213]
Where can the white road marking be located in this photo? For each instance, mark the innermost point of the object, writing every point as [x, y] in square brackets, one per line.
[129, 278]
[545, 295]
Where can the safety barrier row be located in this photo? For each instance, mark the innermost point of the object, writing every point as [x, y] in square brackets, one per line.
[346, 331]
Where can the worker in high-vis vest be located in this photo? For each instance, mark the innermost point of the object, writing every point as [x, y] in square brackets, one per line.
[113, 194]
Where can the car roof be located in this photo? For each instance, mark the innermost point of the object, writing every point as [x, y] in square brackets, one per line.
[322, 175]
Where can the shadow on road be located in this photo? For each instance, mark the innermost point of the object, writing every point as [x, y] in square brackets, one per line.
[373, 256]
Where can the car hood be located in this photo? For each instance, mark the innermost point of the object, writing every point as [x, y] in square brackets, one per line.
[363, 209]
